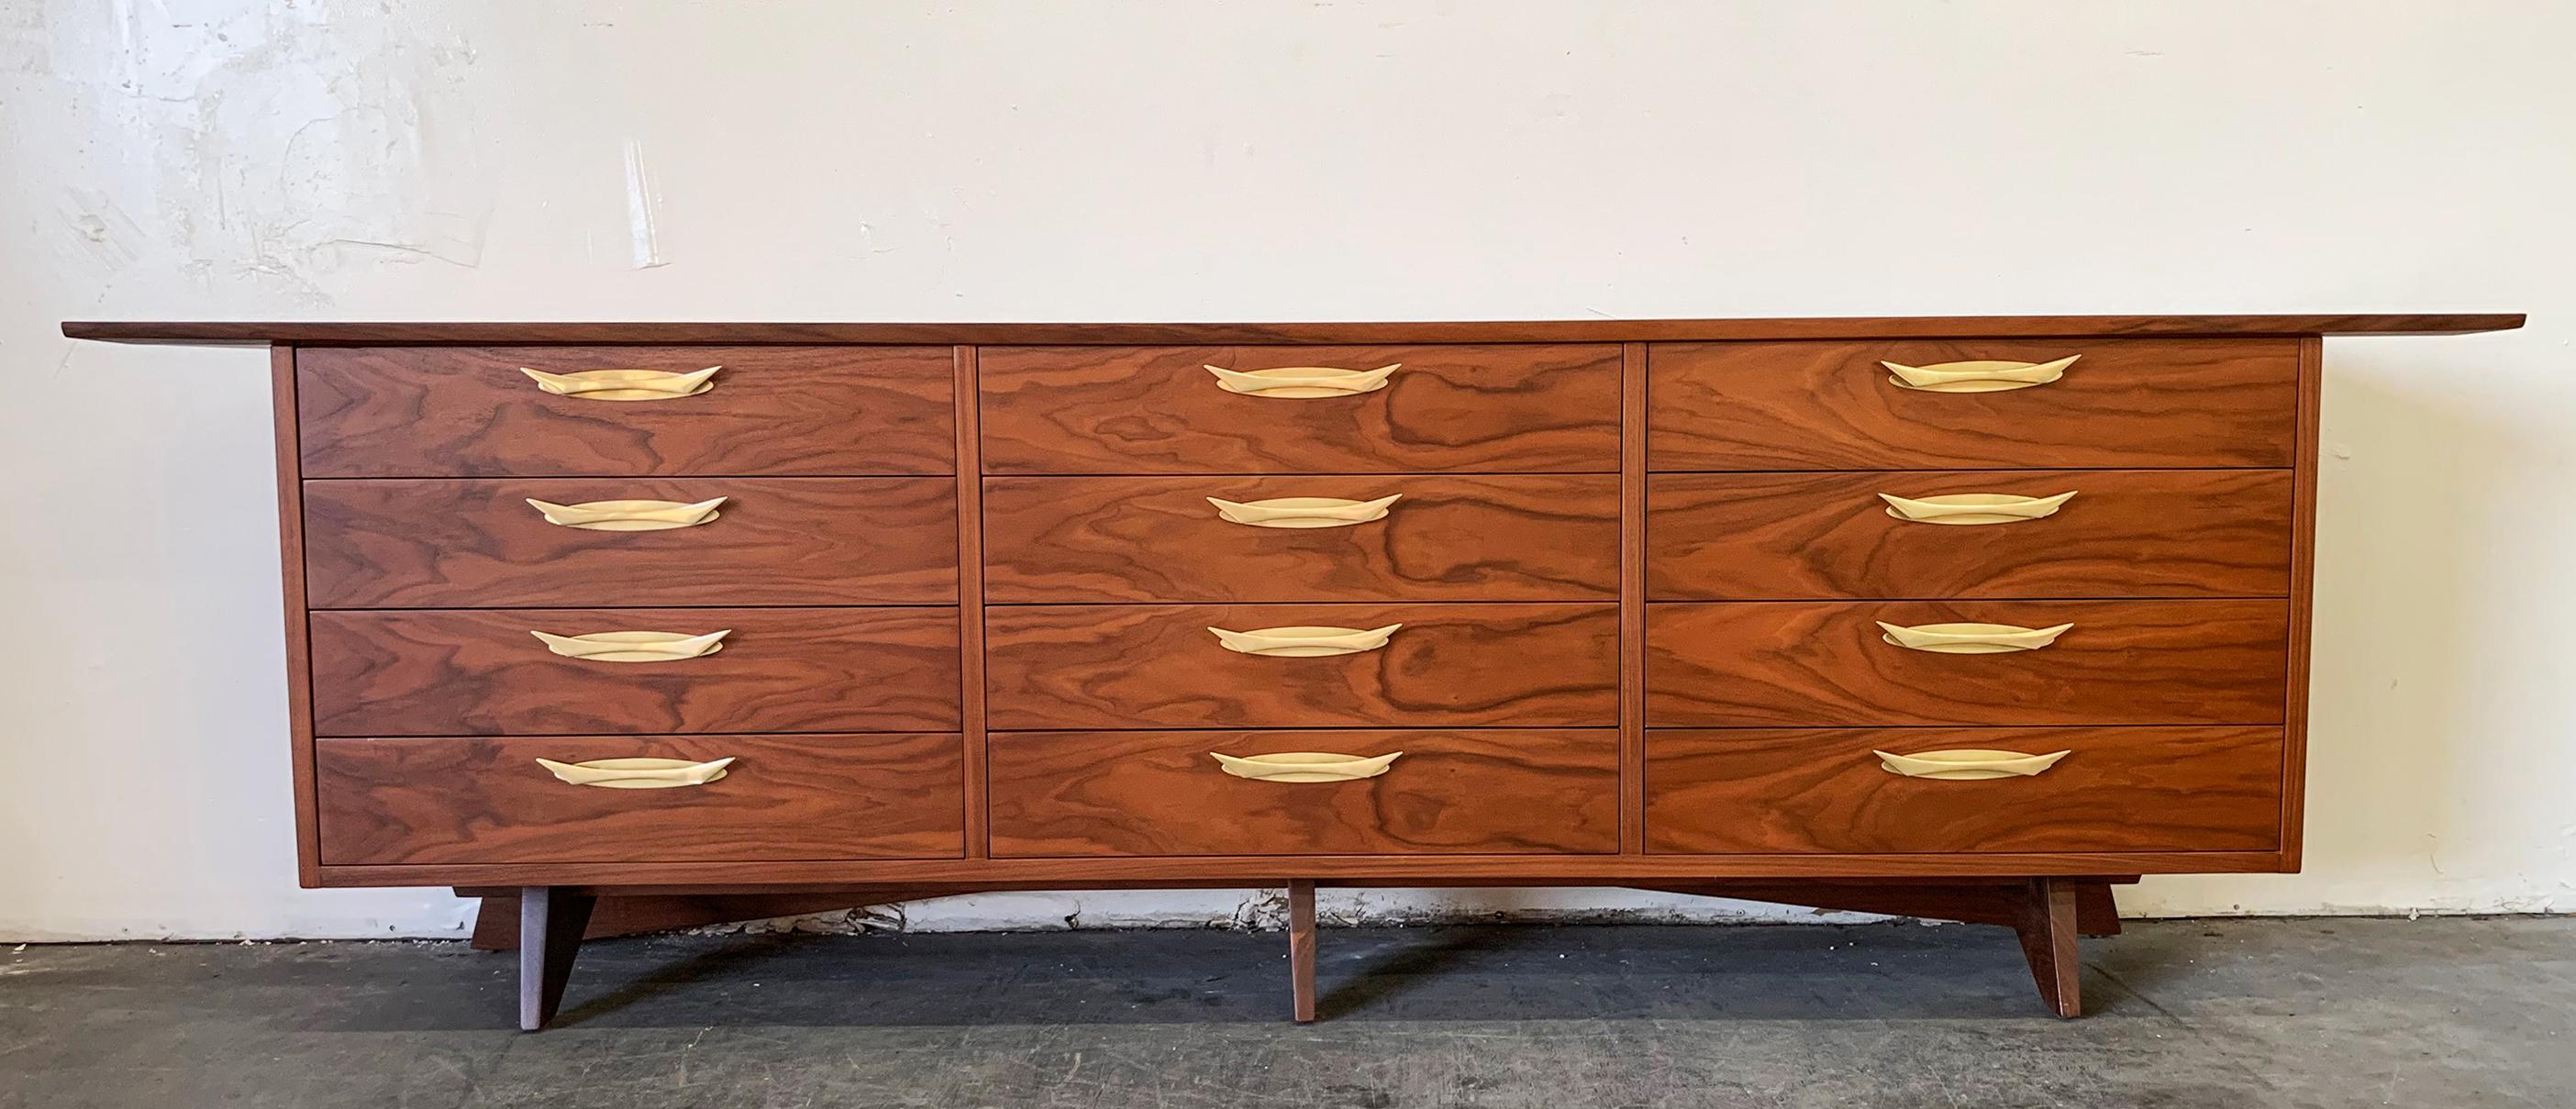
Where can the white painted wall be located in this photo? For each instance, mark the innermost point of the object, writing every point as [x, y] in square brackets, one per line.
[1088, 161]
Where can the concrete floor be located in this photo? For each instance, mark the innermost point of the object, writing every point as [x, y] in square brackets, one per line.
[2436, 1012]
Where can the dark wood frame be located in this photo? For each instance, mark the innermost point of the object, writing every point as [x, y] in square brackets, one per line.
[2047, 898]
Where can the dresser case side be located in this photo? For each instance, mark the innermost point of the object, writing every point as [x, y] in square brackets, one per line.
[2303, 561]
[299, 655]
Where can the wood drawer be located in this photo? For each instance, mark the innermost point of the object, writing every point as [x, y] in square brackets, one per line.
[1831, 406]
[469, 800]
[468, 411]
[1527, 537]
[774, 541]
[1828, 663]
[1450, 665]
[2125, 533]
[1493, 791]
[1157, 410]
[1757, 791]
[460, 672]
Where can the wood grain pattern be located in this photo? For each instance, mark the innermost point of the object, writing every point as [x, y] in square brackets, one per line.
[1828, 406]
[426, 543]
[435, 672]
[1301, 949]
[299, 665]
[1452, 665]
[1527, 537]
[1486, 791]
[2127, 533]
[1633, 489]
[2047, 930]
[1155, 410]
[1754, 664]
[468, 412]
[485, 800]
[482, 333]
[1812, 791]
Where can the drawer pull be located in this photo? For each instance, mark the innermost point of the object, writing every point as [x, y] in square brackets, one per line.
[628, 515]
[637, 773]
[633, 646]
[1304, 642]
[1977, 377]
[1970, 639]
[1306, 766]
[1299, 382]
[1973, 508]
[624, 384]
[1966, 765]
[1302, 512]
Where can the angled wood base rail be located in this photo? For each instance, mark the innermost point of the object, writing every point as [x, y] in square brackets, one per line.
[635, 626]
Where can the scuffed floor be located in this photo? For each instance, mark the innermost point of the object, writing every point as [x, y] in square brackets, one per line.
[2278, 1013]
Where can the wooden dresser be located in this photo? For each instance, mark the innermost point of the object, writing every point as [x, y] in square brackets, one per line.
[1967, 618]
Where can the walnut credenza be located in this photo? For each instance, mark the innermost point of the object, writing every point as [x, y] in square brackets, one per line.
[1965, 618]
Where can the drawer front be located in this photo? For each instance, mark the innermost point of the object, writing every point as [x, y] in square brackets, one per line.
[470, 412]
[1796, 791]
[2125, 533]
[1832, 406]
[439, 672]
[772, 541]
[1493, 791]
[1159, 410]
[1528, 537]
[1830, 664]
[1450, 665]
[783, 797]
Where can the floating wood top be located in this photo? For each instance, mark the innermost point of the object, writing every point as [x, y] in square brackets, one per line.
[1491, 331]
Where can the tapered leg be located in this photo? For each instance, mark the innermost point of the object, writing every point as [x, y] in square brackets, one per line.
[2047, 928]
[551, 922]
[1301, 947]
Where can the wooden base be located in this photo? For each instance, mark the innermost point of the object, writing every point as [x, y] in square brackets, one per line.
[551, 922]
[2046, 913]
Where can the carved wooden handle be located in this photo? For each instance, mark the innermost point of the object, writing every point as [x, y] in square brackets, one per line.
[1977, 377]
[1970, 639]
[1306, 766]
[1298, 382]
[1303, 512]
[624, 384]
[633, 646]
[637, 773]
[1304, 642]
[1973, 508]
[1966, 765]
[627, 515]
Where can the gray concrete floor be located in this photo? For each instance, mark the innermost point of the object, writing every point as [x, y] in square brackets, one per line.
[2436, 1012]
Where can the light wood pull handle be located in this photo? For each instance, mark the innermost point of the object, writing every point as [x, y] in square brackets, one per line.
[1977, 377]
[1970, 639]
[633, 646]
[624, 384]
[1299, 382]
[628, 515]
[1973, 508]
[1304, 642]
[637, 773]
[1303, 512]
[1306, 766]
[1966, 765]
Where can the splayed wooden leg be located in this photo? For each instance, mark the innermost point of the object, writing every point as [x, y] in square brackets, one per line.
[1301, 947]
[551, 922]
[2047, 929]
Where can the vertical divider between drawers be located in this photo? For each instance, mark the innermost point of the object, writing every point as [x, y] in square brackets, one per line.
[1632, 599]
[970, 598]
